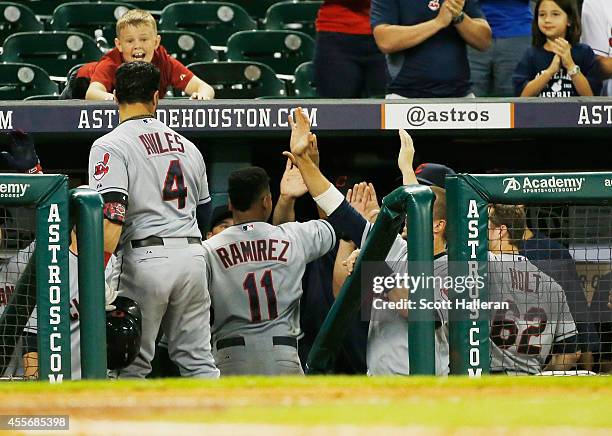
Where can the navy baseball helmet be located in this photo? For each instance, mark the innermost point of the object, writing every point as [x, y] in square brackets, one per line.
[433, 174]
[123, 333]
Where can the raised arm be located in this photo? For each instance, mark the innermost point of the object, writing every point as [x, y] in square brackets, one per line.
[292, 187]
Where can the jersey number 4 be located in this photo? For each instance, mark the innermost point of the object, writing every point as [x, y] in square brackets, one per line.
[174, 185]
[250, 286]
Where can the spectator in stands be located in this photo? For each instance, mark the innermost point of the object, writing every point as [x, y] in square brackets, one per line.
[597, 33]
[137, 40]
[347, 62]
[557, 65]
[492, 70]
[425, 43]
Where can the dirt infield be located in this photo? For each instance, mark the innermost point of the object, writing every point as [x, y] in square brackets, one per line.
[323, 405]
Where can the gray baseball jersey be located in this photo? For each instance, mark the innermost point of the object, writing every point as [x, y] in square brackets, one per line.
[10, 273]
[163, 177]
[160, 172]
[387, 349]
[255, 275]
[522, 337]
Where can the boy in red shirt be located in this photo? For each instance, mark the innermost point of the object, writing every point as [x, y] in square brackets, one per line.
[137, 40]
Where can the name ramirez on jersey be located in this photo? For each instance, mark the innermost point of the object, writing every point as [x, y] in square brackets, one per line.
[261, 250]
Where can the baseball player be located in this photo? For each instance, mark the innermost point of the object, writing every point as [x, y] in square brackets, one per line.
[537, 331]
[10, 274]
[153, 183]
[254, 275]
[387, 340]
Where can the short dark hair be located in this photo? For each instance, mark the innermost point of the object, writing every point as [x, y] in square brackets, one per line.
[136, 82]
[512, 216]
[246, 185]
[573, 31]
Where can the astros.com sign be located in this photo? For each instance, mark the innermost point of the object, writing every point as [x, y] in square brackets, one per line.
[543, 184]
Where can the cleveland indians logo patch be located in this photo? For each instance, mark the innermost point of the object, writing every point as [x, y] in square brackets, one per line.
[101, 167]
[434, 5]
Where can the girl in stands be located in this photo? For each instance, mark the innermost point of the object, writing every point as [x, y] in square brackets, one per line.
[557, 65]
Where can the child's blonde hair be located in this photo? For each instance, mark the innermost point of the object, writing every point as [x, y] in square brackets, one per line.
[136, 17]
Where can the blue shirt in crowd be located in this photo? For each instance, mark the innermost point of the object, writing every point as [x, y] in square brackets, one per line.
[537, 59]
[508, 18]
[438, 67]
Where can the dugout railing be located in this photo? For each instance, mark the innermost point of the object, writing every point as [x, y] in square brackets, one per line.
[414, 203]
[468, 199]
[43, 281]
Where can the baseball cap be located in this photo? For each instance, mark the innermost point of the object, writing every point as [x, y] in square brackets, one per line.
[433, 174]
[219, 214]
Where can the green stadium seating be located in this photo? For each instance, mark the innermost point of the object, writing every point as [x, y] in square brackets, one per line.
[304, 81]
[281, 50]
[148, 5]
[86, 17]
[187, 47]
[256, 8]
[43, 97]
[215, 21]
[42, 7]
[55, 52]
[239, 80]
[20, 80]
[293, 15]
[15, 17]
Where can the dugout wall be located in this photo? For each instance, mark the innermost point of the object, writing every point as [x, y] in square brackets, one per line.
[416, 203]
[43, 282]
[468, 197]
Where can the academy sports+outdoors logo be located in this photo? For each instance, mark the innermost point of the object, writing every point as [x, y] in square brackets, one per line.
[101, 168]
[543, 184]
[13, 190]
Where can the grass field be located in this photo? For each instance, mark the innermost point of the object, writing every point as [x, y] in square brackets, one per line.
[323, 405]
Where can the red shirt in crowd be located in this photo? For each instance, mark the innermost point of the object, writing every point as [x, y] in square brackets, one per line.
[345, 16]
[173, 72]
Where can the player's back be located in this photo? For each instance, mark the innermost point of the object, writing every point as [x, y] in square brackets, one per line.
[523, 335]
[255, 275]
[164, 174]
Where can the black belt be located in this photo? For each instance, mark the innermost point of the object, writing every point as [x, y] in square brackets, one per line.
[238, 341]
[156, 240]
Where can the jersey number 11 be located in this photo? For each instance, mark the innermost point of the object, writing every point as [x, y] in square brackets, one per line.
[251, 288]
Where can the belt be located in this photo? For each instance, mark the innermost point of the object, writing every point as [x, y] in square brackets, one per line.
[238, 341]
[156, 240]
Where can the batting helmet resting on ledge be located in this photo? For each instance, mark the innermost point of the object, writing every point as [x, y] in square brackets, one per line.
[123, 333]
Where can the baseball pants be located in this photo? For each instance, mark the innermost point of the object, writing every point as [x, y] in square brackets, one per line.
[265, 355]
[169, 283]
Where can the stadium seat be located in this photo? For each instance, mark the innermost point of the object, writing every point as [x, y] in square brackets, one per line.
[19, 80]
[294, 15]
[55, 52]
[215, 21]
[256, 8]
[281, 50]
[148, 5]
[42, 7]
[86, 17]
[304, 81]
[43, 97]
[187, 47]
[15, 17]
[239, 80]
